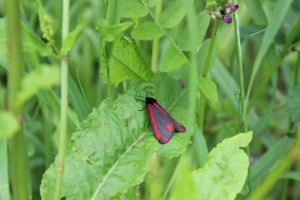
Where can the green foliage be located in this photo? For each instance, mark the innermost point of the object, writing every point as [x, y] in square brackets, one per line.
[209, 89]
[8, 125]
[134, 9]
[46, 24]
[113, 146]
[151, 3]
[119, 52]
[111, 33]
[184, 183]
[37, 80]
[172, 59]
[126, 63]
[172, 14]
[225, 170]
[294, 103]
[70, 40]
[188, 44]
[147, 31]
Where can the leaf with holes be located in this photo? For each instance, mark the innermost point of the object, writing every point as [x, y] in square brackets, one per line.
[110, 152]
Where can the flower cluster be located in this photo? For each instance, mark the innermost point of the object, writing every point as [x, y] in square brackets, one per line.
[222, 12]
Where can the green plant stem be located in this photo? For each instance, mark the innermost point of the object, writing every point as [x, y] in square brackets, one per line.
[155, 45]
[64, 104]
[270, 181]
[18, 151]
[210, 49]
[241, 73]
[243, 114]
[204, 74]
[193, 76]
[114, 10]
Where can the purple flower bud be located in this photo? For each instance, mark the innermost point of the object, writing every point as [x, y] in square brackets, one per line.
[232, 9]
[227, 19]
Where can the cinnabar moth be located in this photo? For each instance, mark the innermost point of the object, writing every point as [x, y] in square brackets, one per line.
[163, 124]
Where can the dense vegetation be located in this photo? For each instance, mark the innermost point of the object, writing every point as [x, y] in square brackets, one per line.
[74, 75]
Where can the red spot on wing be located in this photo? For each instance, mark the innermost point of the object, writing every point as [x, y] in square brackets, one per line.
[182, 129]
[165, 139]
[170, 127]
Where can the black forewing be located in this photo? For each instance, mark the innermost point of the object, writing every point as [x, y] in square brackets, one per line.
[178, 127]
[162, 126]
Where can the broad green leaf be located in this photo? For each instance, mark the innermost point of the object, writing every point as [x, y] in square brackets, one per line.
[209, 89]
[184, 42]
[172, 14]
[126, 63]
[9, 124]
[147, 31]
[172, 59]
[151, 3]
[68, 43]
[226, 169]
[31, 83]
[110, 33]
[110, 153]
[294, 103]
[134, 9]
[175, 102]
[184, 186]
